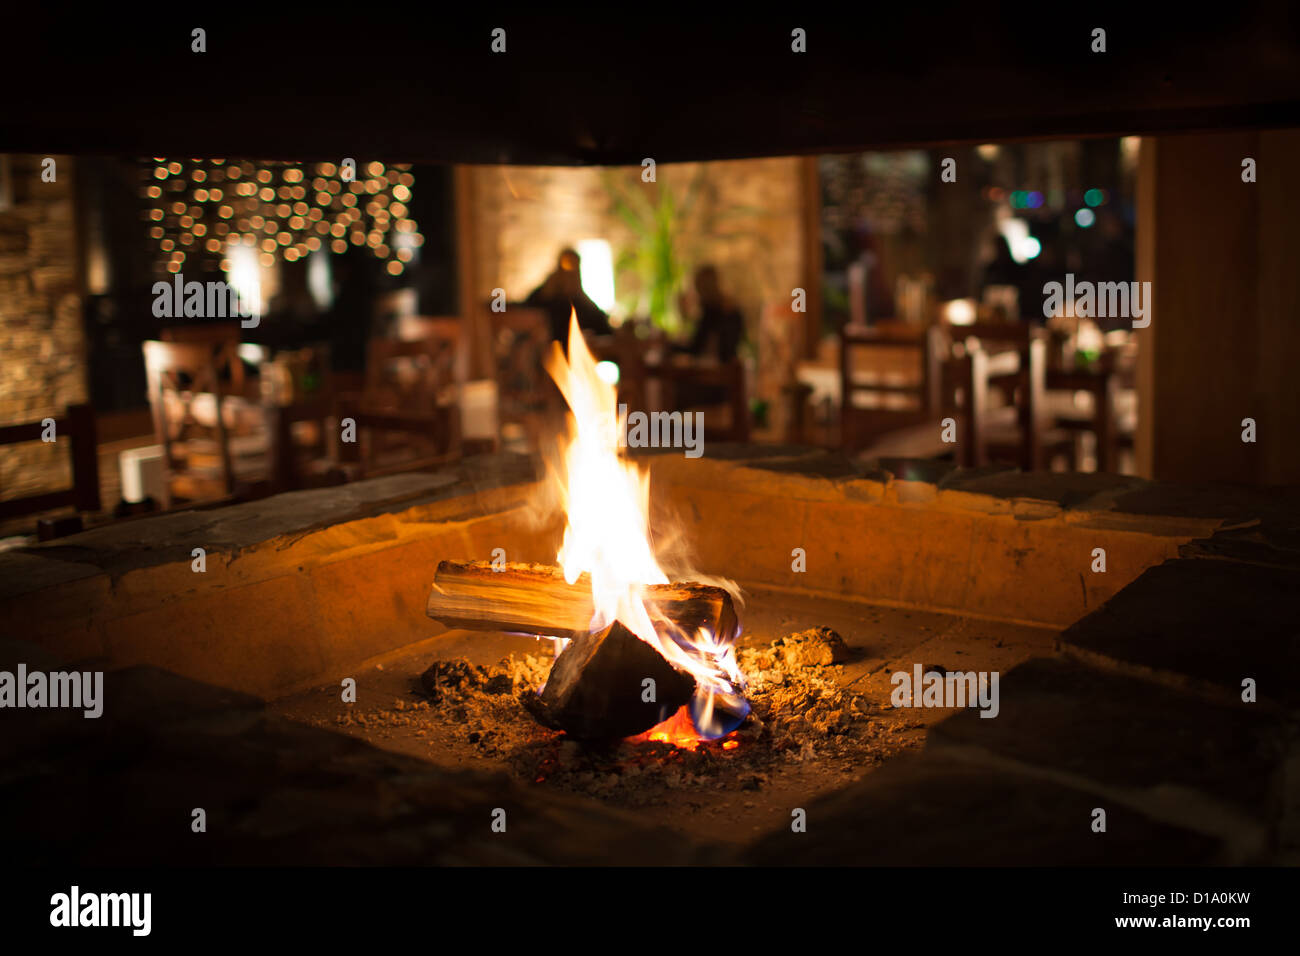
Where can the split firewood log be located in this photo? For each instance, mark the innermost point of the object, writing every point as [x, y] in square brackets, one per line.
[535, 599]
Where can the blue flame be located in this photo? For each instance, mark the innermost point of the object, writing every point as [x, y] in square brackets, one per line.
[717, 714]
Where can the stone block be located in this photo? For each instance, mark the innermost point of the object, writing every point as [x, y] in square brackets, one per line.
[1203, 622]
[930, 811]
[1207, 766]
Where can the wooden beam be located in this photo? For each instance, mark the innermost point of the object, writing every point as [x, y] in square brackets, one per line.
[811, 265]
[963, 77]
[471, 294]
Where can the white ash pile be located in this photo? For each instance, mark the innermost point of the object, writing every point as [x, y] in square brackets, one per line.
[803, 720]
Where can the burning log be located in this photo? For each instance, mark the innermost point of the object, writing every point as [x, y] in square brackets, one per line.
[611, 684]
[618, 682]
[535, 599]
[602, 686]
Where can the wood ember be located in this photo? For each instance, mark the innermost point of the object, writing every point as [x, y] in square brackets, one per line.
[445, 678]
[597, 689]
[815, 647]
[800, 697]
[535, 599]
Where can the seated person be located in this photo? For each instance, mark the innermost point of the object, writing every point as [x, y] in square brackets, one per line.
[561, 292]
[718, 334]
[720, 328]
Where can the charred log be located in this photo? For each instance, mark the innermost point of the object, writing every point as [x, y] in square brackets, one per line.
[611, 684]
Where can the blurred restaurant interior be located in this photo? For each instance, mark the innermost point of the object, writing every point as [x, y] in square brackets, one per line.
[874, 285]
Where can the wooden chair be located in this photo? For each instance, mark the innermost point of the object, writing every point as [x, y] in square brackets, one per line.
[296, 405]
[1011, 359]
[448, 330]
[426, 439]
[626, 349]
[674, 384]
[1107, 411]
[527, 399]
[405, 418]
[665, 385]
[1098, 417]
[899, 389]
[194, 415]
[75, 430]
[417, 375]
[297, 460]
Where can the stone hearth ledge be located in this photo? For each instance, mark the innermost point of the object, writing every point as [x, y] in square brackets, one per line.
[301, 586]
[989, 542]
[297, 586]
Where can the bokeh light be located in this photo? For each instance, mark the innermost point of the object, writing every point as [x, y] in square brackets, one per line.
[272, 200]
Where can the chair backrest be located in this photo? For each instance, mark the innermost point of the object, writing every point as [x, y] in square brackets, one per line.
[417, 375]
[903, 391]
[214, 333]
[76, 428]
[1006, 349]
[413, 328]
[521, 341]
[222, 338]
[447, 329]
[182, 366]
[389, 307]
[184, 371]
[527, 321]
[999, 336]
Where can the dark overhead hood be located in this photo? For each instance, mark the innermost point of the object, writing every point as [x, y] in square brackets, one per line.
[362, 82]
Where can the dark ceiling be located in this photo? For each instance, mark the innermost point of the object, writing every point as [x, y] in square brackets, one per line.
[653, 83]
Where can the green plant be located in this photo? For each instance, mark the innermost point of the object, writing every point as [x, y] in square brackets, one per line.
[668, 236]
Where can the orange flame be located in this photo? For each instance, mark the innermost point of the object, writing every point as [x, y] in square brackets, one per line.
[678, 730]
[606, 500]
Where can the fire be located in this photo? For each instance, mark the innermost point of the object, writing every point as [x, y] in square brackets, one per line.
[606, 501]
[678, 730]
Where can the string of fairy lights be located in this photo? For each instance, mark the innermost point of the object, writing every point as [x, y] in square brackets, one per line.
[285, 210]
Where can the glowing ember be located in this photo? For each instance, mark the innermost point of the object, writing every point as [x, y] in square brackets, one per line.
[606, 501]
[678, 730]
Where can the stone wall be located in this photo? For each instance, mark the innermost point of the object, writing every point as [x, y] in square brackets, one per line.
[42, 345]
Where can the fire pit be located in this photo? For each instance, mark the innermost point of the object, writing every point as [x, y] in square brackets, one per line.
[912, 574]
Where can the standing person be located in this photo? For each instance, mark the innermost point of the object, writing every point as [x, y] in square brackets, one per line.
[561, 292]
[348, 322]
